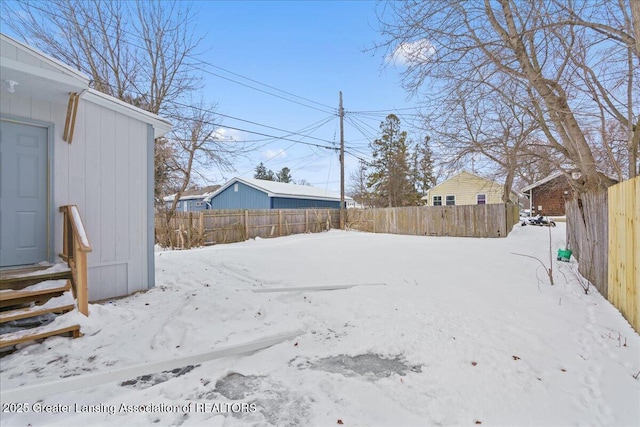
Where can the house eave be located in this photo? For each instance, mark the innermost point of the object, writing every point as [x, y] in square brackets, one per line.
[160, 125]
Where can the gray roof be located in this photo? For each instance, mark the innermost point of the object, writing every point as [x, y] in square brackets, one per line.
[282, 189]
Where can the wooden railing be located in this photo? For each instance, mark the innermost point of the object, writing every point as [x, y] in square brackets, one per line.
[75, 246]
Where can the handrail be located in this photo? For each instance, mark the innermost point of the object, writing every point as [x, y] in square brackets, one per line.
[75, 246]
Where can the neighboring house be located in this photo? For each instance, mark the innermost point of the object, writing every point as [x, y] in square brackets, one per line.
[192, 200]
[106, 169]
[466, 188]
[247, 193]
[548, 195]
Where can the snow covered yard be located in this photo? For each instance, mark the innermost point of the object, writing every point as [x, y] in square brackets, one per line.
[443, 331]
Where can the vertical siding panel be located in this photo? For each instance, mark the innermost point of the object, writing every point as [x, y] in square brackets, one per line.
[122, 147]
[92, 209]
[108, 186]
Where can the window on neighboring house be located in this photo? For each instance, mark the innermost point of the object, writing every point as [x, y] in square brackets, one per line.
[235, 188]
[450, 200]
[437, 200]
[178, 205]
[199, 204]
[481, 199]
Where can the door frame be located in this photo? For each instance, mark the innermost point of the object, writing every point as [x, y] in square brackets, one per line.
[50, 127]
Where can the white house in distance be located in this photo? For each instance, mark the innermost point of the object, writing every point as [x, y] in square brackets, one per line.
[466, 188]
[99, 158]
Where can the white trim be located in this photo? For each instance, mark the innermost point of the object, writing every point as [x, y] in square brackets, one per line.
[45, 74]
[540, 182]
[160, 125]
[64, 68]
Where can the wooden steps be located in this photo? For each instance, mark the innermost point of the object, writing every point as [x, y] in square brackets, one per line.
[32, 292]
[23, 277]
[33, 334]
[58, 305]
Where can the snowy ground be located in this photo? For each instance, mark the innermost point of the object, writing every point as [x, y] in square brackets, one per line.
[461, 332]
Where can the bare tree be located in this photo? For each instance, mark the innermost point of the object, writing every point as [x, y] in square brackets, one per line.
[136, 51]
[358, 185]
[195, 148]
[551, 50]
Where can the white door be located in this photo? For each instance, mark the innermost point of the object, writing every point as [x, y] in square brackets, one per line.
[23, 194]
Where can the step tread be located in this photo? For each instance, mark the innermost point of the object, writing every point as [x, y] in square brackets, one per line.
[16, 276]
[42, 288]
[60, 304]
[46, 331]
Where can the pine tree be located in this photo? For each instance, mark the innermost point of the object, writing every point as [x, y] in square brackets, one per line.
[284, 175]
[261, 172]
[423, 167]
[390, 179]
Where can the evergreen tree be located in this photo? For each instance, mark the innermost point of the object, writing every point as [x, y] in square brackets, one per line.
[390, 179]
[261, 172]
[284, 175]
[423, 167]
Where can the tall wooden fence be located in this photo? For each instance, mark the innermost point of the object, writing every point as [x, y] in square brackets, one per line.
[189, 229]
[587, 237]
[624, 249]
[461, 221]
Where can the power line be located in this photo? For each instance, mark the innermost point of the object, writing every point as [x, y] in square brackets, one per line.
[289, 133]
[200, 61]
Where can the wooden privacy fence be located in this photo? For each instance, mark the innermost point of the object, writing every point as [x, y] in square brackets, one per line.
[495, 220]
[189, 229]
[587, 221]
[624, 249]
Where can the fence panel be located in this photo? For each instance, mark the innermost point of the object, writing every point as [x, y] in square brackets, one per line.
[587, 233]
[624, 249]
[461, 221]
[189, 229]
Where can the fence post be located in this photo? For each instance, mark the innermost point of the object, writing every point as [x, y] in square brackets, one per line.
[246, 224]
[201, 226]
[189, 229]
[279, 222]
[306, 220]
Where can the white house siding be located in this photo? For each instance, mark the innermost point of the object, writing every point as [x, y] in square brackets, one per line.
[109, 186]
[104, 173]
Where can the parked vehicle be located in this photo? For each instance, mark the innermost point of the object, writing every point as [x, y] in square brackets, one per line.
[538, 220]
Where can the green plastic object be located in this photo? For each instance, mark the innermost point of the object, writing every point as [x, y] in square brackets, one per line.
[564, 254]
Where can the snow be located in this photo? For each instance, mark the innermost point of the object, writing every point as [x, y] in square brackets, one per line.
[82, 235]
[50, 269]
[462, 331]
[282, 189]
[41, 286]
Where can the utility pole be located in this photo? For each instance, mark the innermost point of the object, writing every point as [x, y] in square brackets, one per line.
[341, 114]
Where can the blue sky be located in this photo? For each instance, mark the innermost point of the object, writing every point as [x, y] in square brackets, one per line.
[310, 49]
